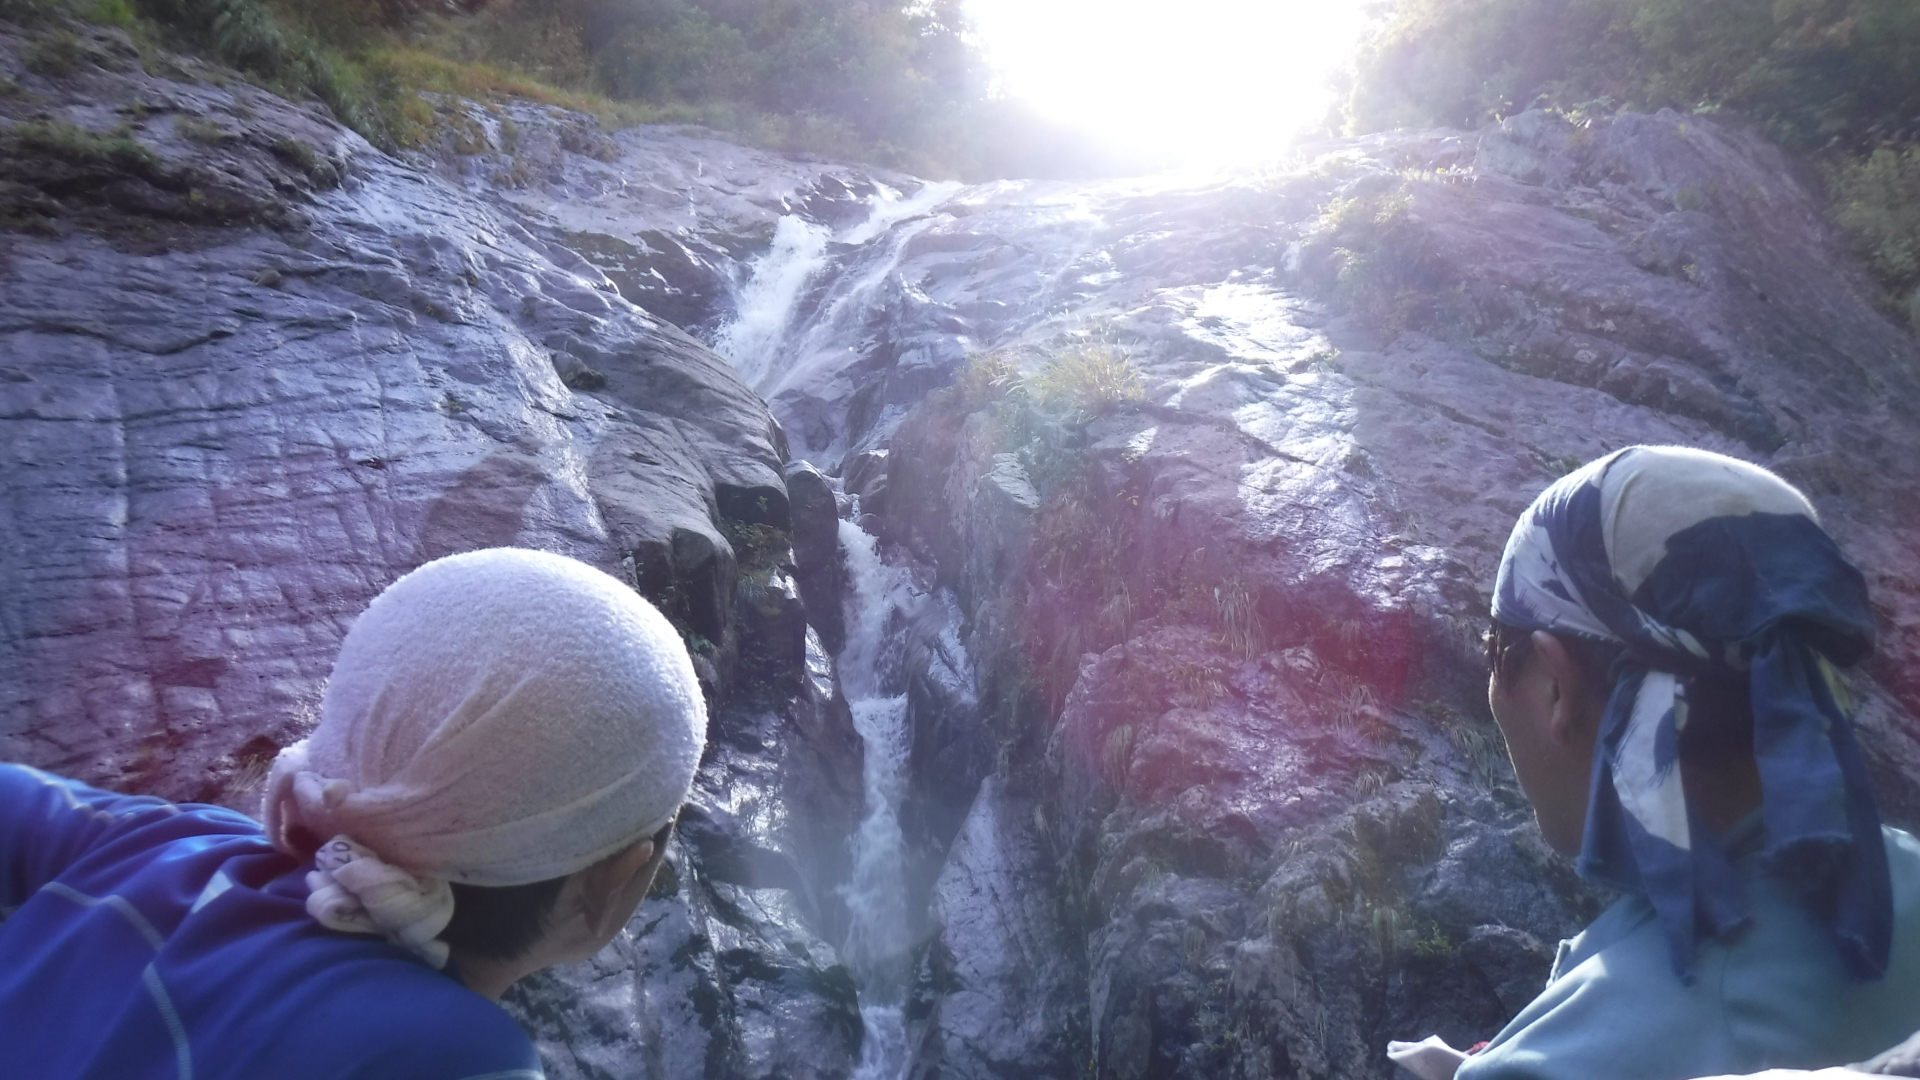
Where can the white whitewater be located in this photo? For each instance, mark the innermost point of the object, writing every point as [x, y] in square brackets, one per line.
[775, 283]
[879, 937]
[838, 327]
[768, 342]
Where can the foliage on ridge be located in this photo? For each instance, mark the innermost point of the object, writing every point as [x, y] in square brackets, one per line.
[1812, 72]
[873, 80]
[1839, 79]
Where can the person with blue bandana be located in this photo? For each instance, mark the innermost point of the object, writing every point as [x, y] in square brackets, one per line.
[1670, 630]
[503, 745]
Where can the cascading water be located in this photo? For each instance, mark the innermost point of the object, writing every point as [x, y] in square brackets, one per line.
[775, 341]
[775, 282]
[879, 938]
[839, 325]
[768, 344]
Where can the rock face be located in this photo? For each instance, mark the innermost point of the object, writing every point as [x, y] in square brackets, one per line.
[997, 983]
[252, 370]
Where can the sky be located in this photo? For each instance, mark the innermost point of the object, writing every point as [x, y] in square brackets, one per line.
[1198, 82]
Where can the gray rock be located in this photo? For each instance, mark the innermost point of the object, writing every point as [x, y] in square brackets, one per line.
[996, 996]
[816, 552]
[1514, 963]
[710, 979]
[866, 477]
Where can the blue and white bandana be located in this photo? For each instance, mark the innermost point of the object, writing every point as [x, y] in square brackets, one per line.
[1702, 565]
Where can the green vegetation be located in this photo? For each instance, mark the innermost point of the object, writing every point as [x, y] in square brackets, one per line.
[200, 129]
[1042, 418]
[1839, 79]
[1091, 378]
[267, 45]
[1237, 608]
[1083, 555]
[58, 53]
[986, 377]
[1877, 200]
[82, 148]
[882, 80]
[1811, 71]
[1367, 252]
[1368, 248]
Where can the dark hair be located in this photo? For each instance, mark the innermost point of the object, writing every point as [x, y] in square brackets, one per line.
[502, 922]
[1508, 648]
[1719, 711]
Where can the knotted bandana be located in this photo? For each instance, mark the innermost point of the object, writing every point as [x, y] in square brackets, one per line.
[353, 891]
[1704, 566]
[495, 718]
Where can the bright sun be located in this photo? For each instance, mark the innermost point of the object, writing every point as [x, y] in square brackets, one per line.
[1178, 81]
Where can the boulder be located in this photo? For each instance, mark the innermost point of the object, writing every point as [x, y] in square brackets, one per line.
[821, 568]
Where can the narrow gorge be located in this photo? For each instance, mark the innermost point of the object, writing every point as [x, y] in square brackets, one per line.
[1086, 578]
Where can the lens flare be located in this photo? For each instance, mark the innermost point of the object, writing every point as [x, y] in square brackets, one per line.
[1198, 82]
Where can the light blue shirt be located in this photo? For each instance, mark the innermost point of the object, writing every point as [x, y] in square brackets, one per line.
[1778, 997]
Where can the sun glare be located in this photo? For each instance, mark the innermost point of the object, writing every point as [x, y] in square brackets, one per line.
[1179, 82]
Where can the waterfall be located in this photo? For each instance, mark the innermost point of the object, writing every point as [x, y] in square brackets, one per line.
[776, 281]
[879, 937]
[774, 340]
[771, 344]
[839, 325]
[763, 324]
[890, 209]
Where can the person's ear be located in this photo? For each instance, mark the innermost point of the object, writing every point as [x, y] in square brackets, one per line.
[605, 885]
[1567, 693]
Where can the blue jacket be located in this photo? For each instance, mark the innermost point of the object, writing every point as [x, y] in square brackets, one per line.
[144, 940]
[1776, 997]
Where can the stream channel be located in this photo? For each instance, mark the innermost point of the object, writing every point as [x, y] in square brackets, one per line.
[774, 344]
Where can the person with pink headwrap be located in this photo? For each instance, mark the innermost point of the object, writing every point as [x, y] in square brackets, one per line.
[503, 745]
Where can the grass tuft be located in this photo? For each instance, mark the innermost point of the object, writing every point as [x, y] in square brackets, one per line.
[56, 54]
[81, 147]
[1239, 617]
[987, 376]
[202, 130]
[1094, 378]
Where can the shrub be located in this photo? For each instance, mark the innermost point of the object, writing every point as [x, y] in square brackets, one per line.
[118, 13]
[1369, 254]
[1810, 71]
[1877, 200]
[249, 36]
